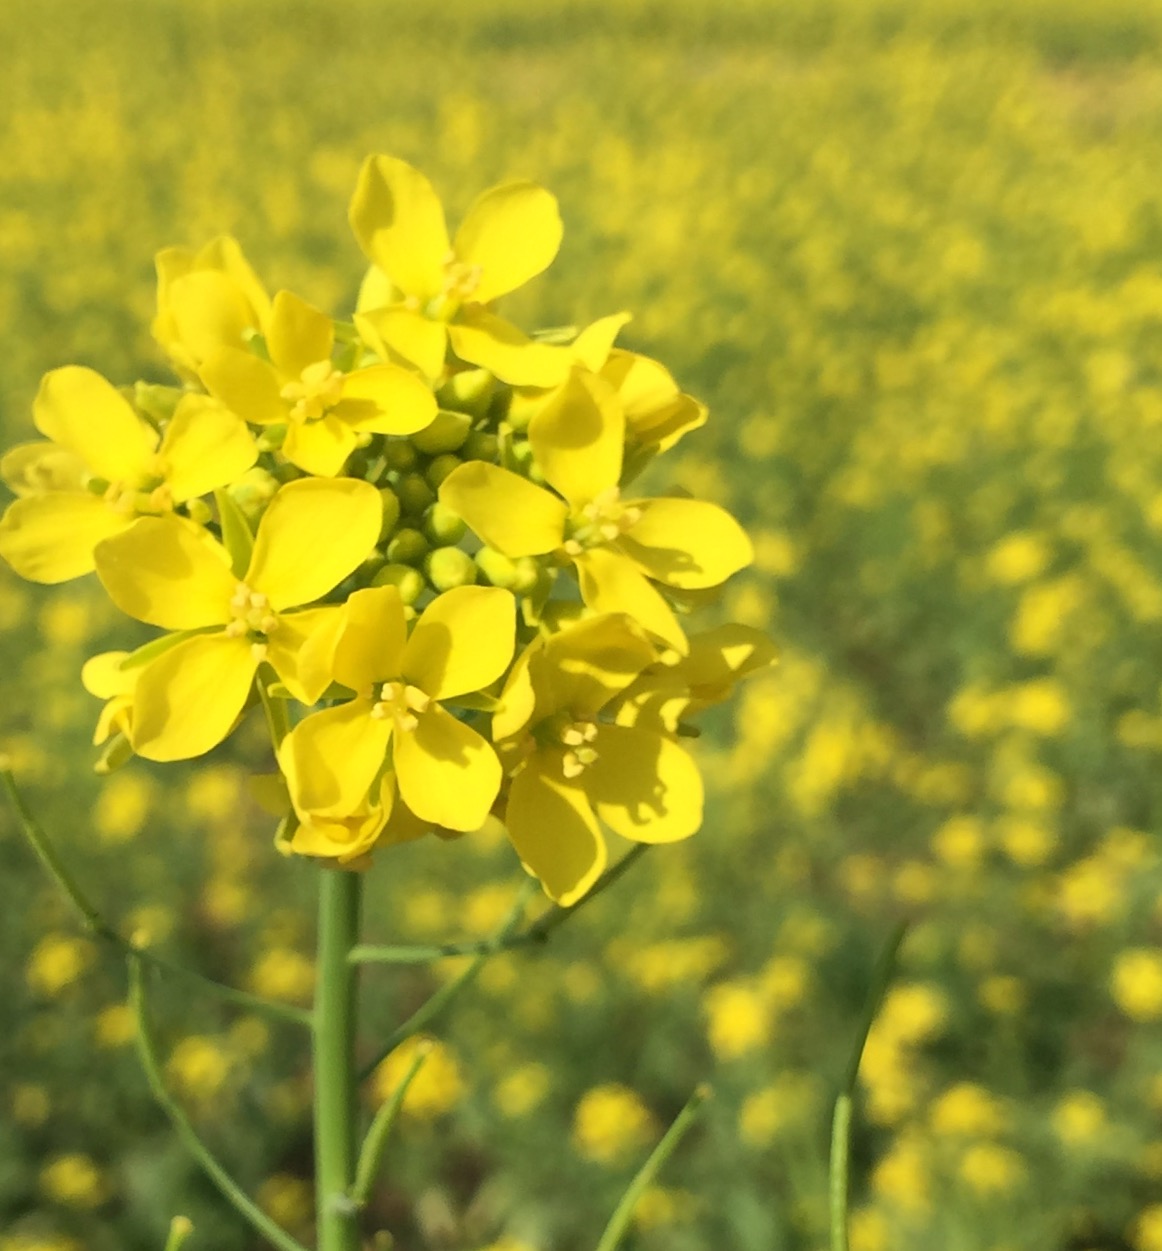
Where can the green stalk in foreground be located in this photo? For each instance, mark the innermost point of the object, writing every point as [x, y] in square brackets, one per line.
[336, 1109]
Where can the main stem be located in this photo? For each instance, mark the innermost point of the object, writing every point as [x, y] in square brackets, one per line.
[335, 1080]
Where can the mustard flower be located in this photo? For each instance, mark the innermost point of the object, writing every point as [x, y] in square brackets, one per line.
[186, 700]
[618, 547]
[447, 774]
[104, 466]
[425, 289]
[571, 767]
[325, 410]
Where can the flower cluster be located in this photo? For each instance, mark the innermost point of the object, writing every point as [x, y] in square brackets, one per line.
[415, 526]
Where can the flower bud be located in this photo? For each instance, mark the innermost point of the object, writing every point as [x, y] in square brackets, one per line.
[440, 468]
[407, 547]
[469, 391]
[391, 511]
[449, 567]
[414, 494]
[497, 568]
[408, 581]
[442, 526]
[480, 445]
[400, 455]
[446, 433]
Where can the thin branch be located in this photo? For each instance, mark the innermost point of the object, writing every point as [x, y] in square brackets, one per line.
[537, 933]
[622, 1214]
[147, 1052]
[375, 1144]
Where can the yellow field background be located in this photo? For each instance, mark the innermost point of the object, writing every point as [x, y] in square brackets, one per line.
[911, 256]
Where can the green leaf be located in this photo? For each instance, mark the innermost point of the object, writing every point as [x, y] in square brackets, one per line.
[236, 536]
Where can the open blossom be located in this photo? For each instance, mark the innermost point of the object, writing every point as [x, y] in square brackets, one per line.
[618, 547]
[315, 532]
[104, 466]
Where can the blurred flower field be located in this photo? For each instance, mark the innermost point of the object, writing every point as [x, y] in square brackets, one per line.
[911, 257]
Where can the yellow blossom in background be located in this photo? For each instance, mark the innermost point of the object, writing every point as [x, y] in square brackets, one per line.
[738, 1019]
[869, 1230]
[56, 962]
[518, 1093]
[660, 1206]
[989, 1169]
[1002, 994]
[288, 1200]
[200, 1067]
[788, 1104]
[284, 974]
[1146, 1232]
[30, 1105]
[968, 1110]
[74, 1181]
[902, 1177]
[1079, 1118]
[123, 806]
[1018, 558]
[611, 1121]
[115, 1026]
[436, 1088]
[1136, 983]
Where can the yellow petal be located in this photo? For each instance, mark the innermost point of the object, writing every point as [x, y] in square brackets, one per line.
[643, 785]
[300, 650]
[188, 699]
[299, 335]
[370, 648]
[719, 658]
[331, 758]
[346, 839]
[167, 572]
[594, 344]
[205, 446]
[386, 400]
[320, 447]
[447, 773]
[246, 384]
[656, 411]
[35, 468]
[375, 291]
[397, 218]
[507, 511]
[512, 232]
[587, 664]
[315, 532]
[463, 641]
[205, 310]
[610, 582]
[78, 409]
[518, 699]
[484, 339]
[578, 438]
[553, 829]
[102, 675]
[50, 538]
[406, 331]
[690, 544]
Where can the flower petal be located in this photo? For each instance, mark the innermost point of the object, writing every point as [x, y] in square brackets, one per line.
[482, 338]
[246, 384]
[519, 698]
[577, 438]
[187, 700]
[463, 641]
[315, 532]
[36, 468]
[643, 785]
[587, 664]
[346, 839]
[300, 650]
[406, 331]
[167, 572]
[387, 400]
[205, 446]
[594, 344]
[690, 544]
[507, 511]
[331, 758]
[320, 447]
[102, 675]
[657, 413]
[610, 582]
[397, 218]
[513, 233]
[205, 310]
[50, 538]
[299, 335]
[447, 773]
[370, 648]
[553, 829]
[80, 410]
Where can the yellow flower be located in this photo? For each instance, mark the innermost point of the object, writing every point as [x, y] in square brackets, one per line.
[1137, 983]
[572, 768]
[990, 1169]
[425, 289]
[104, 467]
[1146, 1234]
[187, 699]
[206, 300]
[616, 546]
[74, 1181]
[446, 773]
[435, 1089]
[609, 1121]
[967, 1109]
[57, 962]
[1079, 1117]
[738, 1019]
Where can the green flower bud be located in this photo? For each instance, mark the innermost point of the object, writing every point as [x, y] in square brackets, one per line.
[480, 445]
[414, 494]
[446, 434]
[156, 402]
[115, 753]
[407, 547]
[391, 511]
[253, 491]
[442, 526]
[497, 568]
[521, 451]
[440, 468]
[449, 567]
[523, 407]
[400, 455]
[468, 392]
[272, 437]
[527, 575]
[408, 581]
[198, 511]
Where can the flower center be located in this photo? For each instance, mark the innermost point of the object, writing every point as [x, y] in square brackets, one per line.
[319, 388]
[250, 614]
[460, 279]
[604, 519]
[578, 738]
[402, 703]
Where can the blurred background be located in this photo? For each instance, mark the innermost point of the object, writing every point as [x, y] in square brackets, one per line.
[910, 253]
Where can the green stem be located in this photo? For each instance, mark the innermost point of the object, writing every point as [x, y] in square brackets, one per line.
[96, 924]
[147, 1051]
[538, 932]
[180, 1228]
[277, 719]
[844, 1104]
[375, 1144]
[334, 1059]
[619, 1222]
[432, 1007]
